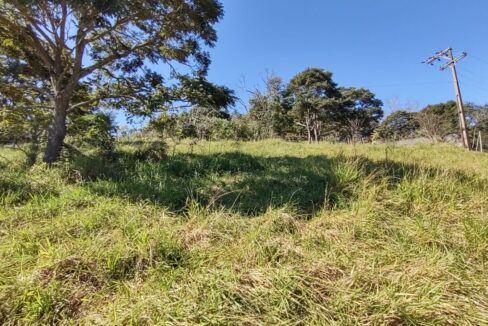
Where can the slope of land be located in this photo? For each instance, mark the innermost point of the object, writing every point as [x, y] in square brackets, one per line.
[248, 233]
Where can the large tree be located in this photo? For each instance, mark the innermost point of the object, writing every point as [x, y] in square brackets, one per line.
[363, 113]
[439, 120]
[106, 47]
[398, 125]
[266, 110]
[314, 99]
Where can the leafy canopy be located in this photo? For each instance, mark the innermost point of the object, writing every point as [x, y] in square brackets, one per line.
[363, 112]
[54, 47]
[398, 125]
[314, 98]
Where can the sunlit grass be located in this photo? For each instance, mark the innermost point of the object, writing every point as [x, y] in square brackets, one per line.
[248, 233]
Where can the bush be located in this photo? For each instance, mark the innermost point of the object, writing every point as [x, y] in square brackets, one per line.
[94, 130]
[152, 151]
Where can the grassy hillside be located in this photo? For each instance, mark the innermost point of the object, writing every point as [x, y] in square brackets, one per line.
[248, 233]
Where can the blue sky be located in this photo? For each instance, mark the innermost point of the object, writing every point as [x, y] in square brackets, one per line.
[378, 44]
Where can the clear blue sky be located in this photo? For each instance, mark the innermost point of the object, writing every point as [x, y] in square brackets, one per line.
[377, 44]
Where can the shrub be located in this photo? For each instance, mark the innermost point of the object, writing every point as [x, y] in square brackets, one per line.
[152, 151]
[94, 130]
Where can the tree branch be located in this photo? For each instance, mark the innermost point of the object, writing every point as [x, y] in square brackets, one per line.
[88, 70]
[95, 100]
[35, 22]
[80, 104]
[116, 25]
[30, 87]
[32, 40]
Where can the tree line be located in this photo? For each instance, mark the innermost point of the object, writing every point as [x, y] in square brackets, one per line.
[313, 107]
[63, 63]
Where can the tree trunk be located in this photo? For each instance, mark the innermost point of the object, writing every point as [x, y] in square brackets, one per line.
[57, 129]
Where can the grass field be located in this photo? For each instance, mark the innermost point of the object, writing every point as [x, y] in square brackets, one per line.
[248, 234]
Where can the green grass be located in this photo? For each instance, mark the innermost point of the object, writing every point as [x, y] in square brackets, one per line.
[248, 233]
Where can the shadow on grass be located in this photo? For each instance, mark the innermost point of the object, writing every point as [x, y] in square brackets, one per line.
[243, 183]
[17, 190]
[235, 181]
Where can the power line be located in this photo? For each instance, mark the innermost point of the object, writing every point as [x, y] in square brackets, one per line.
[472, 81]
[472, 74]
[468, 77]
[408, 84]
[475, 77]
[473, 85]
[479, 59]
[472, 78]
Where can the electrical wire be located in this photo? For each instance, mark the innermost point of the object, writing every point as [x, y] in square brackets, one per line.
[408, 84]
[479, 59]
[472, 81]
[472, 86]
[473, 74]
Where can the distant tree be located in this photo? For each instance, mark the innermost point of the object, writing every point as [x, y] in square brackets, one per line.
[267, 113]
[314, 101]
[198, 122]
[106, 46]
[477, 116]
[438, 121]
[363, 112]
[242, 129]
[398, 125]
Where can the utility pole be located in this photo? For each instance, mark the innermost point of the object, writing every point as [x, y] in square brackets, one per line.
[481, 141]
[447, 54]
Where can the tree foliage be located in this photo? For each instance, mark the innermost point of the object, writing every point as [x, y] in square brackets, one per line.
[314, 100]
[267, 113]
[398, 125]
[477, 116]
[95, 130]
[203, 124]
[439, 120]
[105, 47]
[310, 103]
[363, 113]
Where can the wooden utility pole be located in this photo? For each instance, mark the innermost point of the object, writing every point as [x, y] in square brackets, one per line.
[447, 54]
[480, 139]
